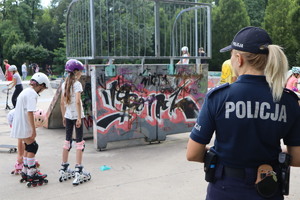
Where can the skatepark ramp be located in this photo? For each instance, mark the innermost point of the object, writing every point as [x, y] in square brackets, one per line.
[131, 51]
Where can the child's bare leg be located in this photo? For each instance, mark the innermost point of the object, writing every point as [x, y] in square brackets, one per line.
[65, 155]
[79, 154]
[21, 148]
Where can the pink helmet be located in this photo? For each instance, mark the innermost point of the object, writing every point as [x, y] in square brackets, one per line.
[39, 118]
[73, 64]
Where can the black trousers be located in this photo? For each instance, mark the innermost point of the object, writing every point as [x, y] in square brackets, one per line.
[70, 124]
[18, 90]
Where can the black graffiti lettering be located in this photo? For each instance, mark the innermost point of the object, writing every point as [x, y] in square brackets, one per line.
[160, 104]
[106, 121]
[150, 102]
[188, 107]
[101, 80]
[105, 97]
[140, 105]
[112, 91]
[132, 103]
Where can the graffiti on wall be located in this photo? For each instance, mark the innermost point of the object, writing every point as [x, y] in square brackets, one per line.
[155, 98]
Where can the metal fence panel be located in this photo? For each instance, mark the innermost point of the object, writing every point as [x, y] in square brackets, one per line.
[136, 28]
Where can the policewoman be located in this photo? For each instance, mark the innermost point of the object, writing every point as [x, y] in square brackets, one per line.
[249, 118]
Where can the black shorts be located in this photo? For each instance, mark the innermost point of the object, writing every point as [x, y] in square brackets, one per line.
[70, 124]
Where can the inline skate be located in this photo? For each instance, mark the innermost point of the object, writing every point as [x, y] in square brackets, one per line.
[18, 168]
[36, 178]
[24, 174]
[81, 175]
[66, 173]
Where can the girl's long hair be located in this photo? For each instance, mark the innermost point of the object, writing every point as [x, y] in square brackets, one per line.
[70, 80]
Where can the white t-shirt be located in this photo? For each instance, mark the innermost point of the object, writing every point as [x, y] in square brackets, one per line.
[71, 112]
[24, 68]
[27, 101]
[18, 78]
[185, 60]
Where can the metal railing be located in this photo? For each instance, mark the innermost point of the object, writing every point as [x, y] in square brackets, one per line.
[137, 29]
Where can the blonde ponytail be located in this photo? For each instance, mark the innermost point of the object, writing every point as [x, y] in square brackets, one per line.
[276, 70]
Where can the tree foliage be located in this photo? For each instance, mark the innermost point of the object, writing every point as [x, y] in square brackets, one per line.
[36, 34]
[279, 25]
[228, 18]
[26, 52]
[256, 11]
[295, 30]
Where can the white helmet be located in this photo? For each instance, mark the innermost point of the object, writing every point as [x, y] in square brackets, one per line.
[41, 78]
[185, 48]
[12, 68]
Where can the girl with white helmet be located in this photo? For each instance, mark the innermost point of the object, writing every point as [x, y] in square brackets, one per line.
[185, 53]
[72, 114]
[16, 82]
[293, 79]
[23, 127]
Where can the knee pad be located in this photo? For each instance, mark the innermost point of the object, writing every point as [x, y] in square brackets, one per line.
[32, 148]
[80, 145]
[67, 145]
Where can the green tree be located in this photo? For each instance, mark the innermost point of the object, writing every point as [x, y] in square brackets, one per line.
[295, 29]
[228, 18]
[256, 11]
[59, 58]
[12, 39]
[49, 31]
[24, 51]
[277, 23]
[17, 24]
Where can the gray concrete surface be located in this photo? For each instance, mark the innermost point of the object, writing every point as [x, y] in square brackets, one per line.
[139, 171]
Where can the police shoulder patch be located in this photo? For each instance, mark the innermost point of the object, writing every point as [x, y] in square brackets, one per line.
[291, 93]
[213, 90]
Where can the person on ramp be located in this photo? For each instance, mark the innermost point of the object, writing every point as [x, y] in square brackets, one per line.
[72, 114]
[249, 118]
[16, 82]
[23, 127]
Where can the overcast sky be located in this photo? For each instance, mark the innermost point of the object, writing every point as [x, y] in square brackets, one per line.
[45, 3]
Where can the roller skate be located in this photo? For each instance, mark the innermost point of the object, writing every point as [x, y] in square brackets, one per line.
[36, 178]
[37, 164]
[81, 175]
[24, 174]
[18, 168]
[65, 172]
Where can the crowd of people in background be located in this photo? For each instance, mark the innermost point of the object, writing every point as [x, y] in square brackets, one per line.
[25, 70]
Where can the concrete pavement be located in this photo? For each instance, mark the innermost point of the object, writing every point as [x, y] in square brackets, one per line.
[139, 171]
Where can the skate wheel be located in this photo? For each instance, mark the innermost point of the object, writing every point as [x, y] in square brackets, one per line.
[28, 184]
[61, 179]
[34, 184]
[75, 184]
[22, 180]
[45, 180]
[40, 183]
